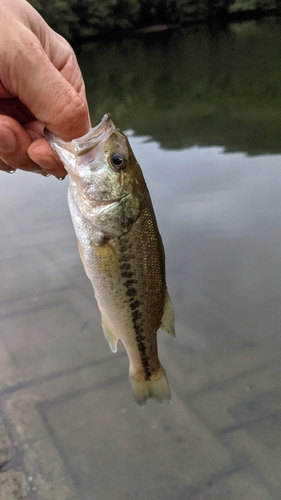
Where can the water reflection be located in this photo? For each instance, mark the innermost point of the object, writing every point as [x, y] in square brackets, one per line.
[66, 400]
[202, 86]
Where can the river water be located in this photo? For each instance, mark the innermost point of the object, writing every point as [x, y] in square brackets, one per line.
[202, 109]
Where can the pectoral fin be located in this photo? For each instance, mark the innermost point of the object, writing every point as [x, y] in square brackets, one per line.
[168, 318]
[109, 335]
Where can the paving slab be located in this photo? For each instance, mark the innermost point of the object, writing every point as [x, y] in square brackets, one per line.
[236, 486]
[62, 426]
[5, 446]
[13, 486]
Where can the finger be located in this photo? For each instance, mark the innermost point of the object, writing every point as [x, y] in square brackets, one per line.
[57, 104]
[6, 168]
[15, 109]
[14, 142]
[41, 153]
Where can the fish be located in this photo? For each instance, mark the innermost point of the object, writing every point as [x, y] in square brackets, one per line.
[121, 249]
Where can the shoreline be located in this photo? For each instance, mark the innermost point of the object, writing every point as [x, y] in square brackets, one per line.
[219, 21]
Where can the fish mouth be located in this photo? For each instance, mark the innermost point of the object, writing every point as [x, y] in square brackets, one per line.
[87, 142]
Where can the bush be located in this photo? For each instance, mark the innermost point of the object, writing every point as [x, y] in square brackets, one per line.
[81, 20]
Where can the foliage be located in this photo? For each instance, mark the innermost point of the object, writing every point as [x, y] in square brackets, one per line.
[248, 5]
[80, 20]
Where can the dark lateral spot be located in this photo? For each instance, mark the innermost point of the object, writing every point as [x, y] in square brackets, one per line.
[140, 338]
[125, 266]
[129, 283]
[136, 315]
[131, 292]
[123, 247]
[135, 304]
[126, 274]
[126, 257]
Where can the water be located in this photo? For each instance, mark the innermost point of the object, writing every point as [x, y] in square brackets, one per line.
[202, 110]
[194, 86]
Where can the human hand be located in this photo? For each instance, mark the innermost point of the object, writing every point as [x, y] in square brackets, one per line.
[40, 86]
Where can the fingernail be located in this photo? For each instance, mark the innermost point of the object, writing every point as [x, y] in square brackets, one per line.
[8, 141]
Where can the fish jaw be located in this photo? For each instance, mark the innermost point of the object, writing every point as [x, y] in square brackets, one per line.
[83, 157]
[69, 152]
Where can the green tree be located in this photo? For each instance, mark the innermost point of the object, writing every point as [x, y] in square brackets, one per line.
[186, 10]
[59, 15]
[126, 14]
[81, 20]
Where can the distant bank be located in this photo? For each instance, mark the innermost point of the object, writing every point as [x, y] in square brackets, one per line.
[80, 21]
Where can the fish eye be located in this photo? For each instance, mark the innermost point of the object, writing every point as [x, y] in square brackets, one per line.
[118, 161]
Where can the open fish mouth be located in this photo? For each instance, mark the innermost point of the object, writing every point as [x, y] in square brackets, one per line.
[87, 142]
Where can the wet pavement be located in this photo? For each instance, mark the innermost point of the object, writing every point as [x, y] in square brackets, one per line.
[69, 427]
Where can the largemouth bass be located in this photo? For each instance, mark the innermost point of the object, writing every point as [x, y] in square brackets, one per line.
[121, 249]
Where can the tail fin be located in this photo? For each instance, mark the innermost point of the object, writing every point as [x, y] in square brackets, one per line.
[157, 387]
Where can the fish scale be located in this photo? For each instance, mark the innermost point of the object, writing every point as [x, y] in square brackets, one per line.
[145, 296]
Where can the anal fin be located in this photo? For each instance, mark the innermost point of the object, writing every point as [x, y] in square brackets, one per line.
[168, 318]
[111, 338]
